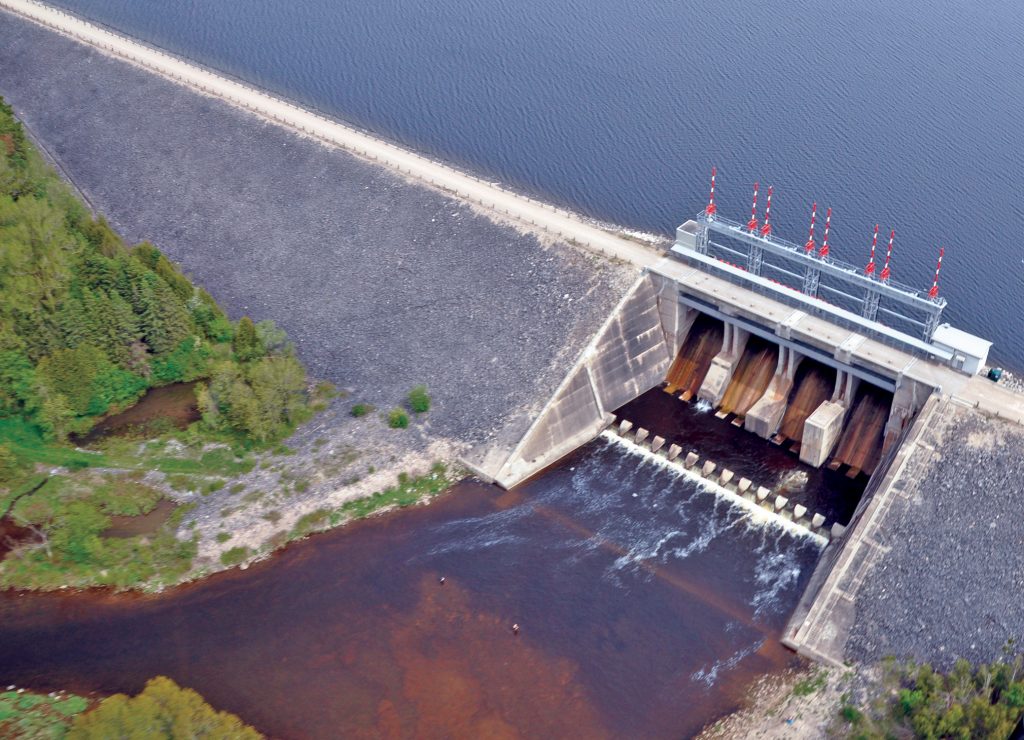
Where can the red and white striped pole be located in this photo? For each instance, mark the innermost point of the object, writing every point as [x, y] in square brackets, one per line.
[870, 269]
[888, 257]
[810, 245]
[752, 223]
[766, 229]
[710, 210]
[933, 293]
[823, 252]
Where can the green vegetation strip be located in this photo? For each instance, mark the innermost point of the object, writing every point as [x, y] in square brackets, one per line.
[409, 490]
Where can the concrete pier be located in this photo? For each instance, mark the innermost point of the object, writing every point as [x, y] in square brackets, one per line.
[823, 427]
[723, 365]
[765, 416]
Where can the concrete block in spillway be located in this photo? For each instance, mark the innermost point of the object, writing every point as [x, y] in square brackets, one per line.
[627, 357]
[821, 432]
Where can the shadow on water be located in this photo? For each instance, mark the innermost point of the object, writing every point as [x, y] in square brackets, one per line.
[170, 405]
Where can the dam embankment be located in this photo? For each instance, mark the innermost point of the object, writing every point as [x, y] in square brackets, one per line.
[382, 283]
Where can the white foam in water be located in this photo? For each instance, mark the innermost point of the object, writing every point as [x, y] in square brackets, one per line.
[774, 573]
[709, 676]
[756, 514]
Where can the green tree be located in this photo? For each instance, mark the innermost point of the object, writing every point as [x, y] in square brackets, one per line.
[72, 373]
[8, 464]
[163, 710]
[209, 318]
[163, 318]
[247, 344]
[17, 383]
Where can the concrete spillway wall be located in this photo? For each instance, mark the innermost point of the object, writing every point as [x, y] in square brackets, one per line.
[628, 356]
[637, 344]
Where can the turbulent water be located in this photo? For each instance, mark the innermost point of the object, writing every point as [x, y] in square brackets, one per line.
[905, 114]
[638, 616]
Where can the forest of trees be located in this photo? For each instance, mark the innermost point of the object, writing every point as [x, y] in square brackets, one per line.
[88, 324]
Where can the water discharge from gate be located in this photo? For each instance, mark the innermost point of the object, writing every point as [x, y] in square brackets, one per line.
[812, 386]
[691, 364]
[860, 446]
[752, 375]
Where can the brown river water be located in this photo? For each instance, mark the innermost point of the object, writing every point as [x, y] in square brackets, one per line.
[646, 606]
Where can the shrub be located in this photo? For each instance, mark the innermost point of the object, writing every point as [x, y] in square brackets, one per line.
[163, 709]
[247, 344]
[419, 400]
[398, 419]
[361, 409]
[235, 555]
[8, 464]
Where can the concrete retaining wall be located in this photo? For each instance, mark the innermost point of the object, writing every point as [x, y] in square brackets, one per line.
[627, 357]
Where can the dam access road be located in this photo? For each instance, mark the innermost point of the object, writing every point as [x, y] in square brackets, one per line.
[390, 276]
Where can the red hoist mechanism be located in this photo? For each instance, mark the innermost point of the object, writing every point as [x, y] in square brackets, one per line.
[752, 223]
[765, 230]
[884, 277]
[710, 210]
[810, 245]
[933, 292]
[870, 269]
[823, 252]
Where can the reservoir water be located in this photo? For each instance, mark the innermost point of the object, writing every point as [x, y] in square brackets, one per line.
[904, 114]
[646, 607]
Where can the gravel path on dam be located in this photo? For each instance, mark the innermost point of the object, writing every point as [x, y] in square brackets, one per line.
[950, 585]
[382, 284]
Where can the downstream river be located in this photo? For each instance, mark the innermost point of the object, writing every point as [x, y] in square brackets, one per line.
[645, 605]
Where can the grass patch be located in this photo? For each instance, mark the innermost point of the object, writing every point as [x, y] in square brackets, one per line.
[252, 497]
[361, 409]
[310, 522]
[235, 555]
[72, 512]
[273, 516]
[408, 491]
[25, 442]
[813, 683]
[223, 537]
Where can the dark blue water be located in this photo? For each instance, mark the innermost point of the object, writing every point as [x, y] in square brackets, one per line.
[906, 114]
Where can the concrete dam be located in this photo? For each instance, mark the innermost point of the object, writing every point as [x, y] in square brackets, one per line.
[826, 360]
[842, 367]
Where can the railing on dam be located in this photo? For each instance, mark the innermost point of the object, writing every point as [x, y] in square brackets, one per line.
[829, 281]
